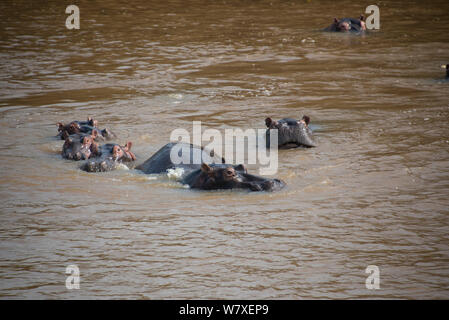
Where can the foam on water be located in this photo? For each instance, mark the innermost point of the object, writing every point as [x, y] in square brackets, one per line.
[175, 174]
[122, 166]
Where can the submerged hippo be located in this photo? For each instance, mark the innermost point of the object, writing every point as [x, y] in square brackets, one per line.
[108, 157]
[347, 25]
[446, 66]
[199, 175]
[225, 176]
[161, 161]
[80, 146]
[291, 133]
[77, 127]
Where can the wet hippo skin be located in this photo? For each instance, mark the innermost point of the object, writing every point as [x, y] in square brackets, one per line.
[108, 157]
[347, 25]
[226, 176]
[291, 133]
[161, 161]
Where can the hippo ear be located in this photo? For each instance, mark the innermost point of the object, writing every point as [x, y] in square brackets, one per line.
[93, 123]
[127, 149]
[362, 17]
[94, 134]
[335, 20]
[268, 122]
[60, 126]
[131, 155]
[206, 168]
[306, 119]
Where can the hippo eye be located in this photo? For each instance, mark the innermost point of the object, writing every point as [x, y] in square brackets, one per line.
[229, 172]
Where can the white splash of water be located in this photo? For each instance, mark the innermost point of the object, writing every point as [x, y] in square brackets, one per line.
[175, 174]
[121, 166]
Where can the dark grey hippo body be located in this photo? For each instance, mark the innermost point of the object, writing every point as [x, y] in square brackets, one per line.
[161, 161]
[108, 157]
[291, 133]
[226, 176]
[215, 175]
[347, 25]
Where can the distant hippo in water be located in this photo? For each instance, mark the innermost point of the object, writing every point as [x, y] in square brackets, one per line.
[446, 66]
[108, 157]
[215, 175]
[77, 127]
[225, 176]
[291, 133]
[347, 25]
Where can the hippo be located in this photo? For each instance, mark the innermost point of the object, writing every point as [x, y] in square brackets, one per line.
[348, 25]
[215, 175]
[291, 133]
[76, 127]
[108, 156]
[161, 161]
[226, 176]
[446, 66]
[80, 146]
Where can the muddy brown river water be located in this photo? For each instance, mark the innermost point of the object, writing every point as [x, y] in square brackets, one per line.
[374, 192]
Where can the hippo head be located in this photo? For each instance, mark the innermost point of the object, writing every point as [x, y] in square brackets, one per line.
[120, 153]
[71, 128]
[225, 176]
[341, 26]
[291, 133]
[446, 66]
[76, 127]
[348, 24]
[79, 148]
[110, 156]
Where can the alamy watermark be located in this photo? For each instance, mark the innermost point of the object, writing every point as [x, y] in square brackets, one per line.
[73, 280]
[72, 21]
[249, 146]
[373, 280]
[373, 20]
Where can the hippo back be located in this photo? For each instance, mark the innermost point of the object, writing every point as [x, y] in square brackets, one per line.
[161, 160]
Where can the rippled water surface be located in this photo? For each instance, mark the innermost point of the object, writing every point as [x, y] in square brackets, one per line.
[374, 192]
